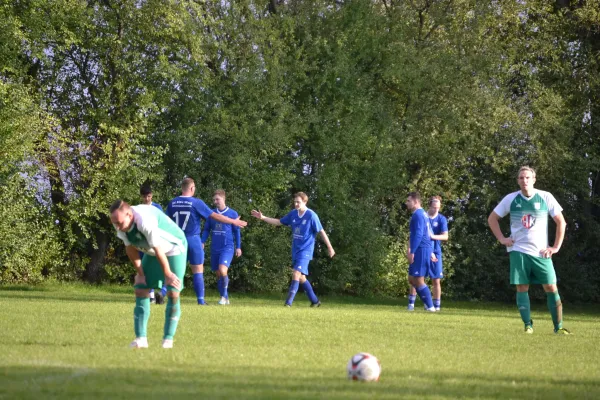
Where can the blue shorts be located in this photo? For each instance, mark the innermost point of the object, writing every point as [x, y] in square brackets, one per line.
[301, 265]
[420, 265]
[224, 257]
[435, 268]
[195, 254]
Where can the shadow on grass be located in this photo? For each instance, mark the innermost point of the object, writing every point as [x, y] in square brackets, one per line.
[55, 382]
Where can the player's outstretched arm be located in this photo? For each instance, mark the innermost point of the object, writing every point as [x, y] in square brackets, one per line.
[227, 220]
[272, 221]
[325, 239]
[493, 222]
[134, 256]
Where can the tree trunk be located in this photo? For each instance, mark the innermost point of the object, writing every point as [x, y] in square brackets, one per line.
[93, 271]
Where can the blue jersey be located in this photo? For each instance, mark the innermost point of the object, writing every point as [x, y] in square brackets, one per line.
[439, 225]
[187, 212]
[157, 206]
[223, 235]
[304, 231]
[420, 231]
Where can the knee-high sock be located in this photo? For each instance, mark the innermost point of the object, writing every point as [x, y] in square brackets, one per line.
[141, 313]
[172, 314]
[220, 285]
[309, 292]
[292, 292]
[425, 295]
[225, 286]
[524, 306]
[555, 307]
[199, 287]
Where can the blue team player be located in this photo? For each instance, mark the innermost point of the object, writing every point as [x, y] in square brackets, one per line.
[439, 227]
[146, 197]
[420, 249]
[187, 212]
[305, 226]
[226, 240]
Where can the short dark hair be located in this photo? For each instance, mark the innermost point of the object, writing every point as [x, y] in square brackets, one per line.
[118, 205]
[415, 196]
[145, 190]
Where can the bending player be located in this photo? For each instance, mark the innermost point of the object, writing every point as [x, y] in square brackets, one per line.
[305, 226]
[146, 196]
[187, 212]
[226, 240]
[145, 228]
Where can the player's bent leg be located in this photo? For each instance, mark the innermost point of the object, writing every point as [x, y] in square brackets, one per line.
[223, 280]
[436, 284]
[141, 313]
[555, 308]
[294, 285]
[412, 297]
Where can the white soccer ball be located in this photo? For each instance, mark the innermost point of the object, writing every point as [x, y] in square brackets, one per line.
[364, 367]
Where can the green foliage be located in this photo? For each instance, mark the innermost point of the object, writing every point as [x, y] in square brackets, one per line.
[355, 103]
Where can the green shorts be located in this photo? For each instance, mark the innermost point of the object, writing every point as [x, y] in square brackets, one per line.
[155, 275]
[526, 269]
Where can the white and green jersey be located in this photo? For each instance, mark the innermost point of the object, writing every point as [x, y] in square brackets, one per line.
[153, 228]
[529, 220]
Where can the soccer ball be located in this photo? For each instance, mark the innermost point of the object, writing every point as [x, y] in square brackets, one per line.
[364, 367]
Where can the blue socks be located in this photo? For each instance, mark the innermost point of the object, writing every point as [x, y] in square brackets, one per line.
[163, 291]
[199, 287]
[437, 303]
[225, 285]
[309, 292]
[425, 295]
[411, 300]
[292, 292]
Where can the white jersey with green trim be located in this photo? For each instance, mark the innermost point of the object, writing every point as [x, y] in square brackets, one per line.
[153, 228]
[529, 219]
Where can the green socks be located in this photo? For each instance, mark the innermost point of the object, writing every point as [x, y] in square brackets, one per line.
[555, 308]
[524, 306]
[172, 314]
[141, 313]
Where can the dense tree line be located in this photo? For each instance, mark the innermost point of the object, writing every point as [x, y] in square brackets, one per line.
[354, 102]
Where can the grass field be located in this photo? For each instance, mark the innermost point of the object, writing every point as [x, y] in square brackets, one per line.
[71, 341]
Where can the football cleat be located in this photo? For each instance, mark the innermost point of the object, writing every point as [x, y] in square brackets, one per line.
[223, 301]
[410, 308]
[139, 343]
[529, 327]
[160, 299]
[167, 344]
[317, 304]
[562, 331]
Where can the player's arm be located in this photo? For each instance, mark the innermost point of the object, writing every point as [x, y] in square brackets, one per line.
[237, 236]
[227, 220]
[494, 223]
[134, 256]
[205, 232]
[561, 226]
[442, 236]
[325, 239]
[271, 221]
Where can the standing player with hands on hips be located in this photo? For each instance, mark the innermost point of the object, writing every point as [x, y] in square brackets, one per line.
[530, 255]
[305, 226]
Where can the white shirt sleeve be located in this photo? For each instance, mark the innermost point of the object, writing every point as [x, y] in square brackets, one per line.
[553, 207]
[503, 208]
[147, 224]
